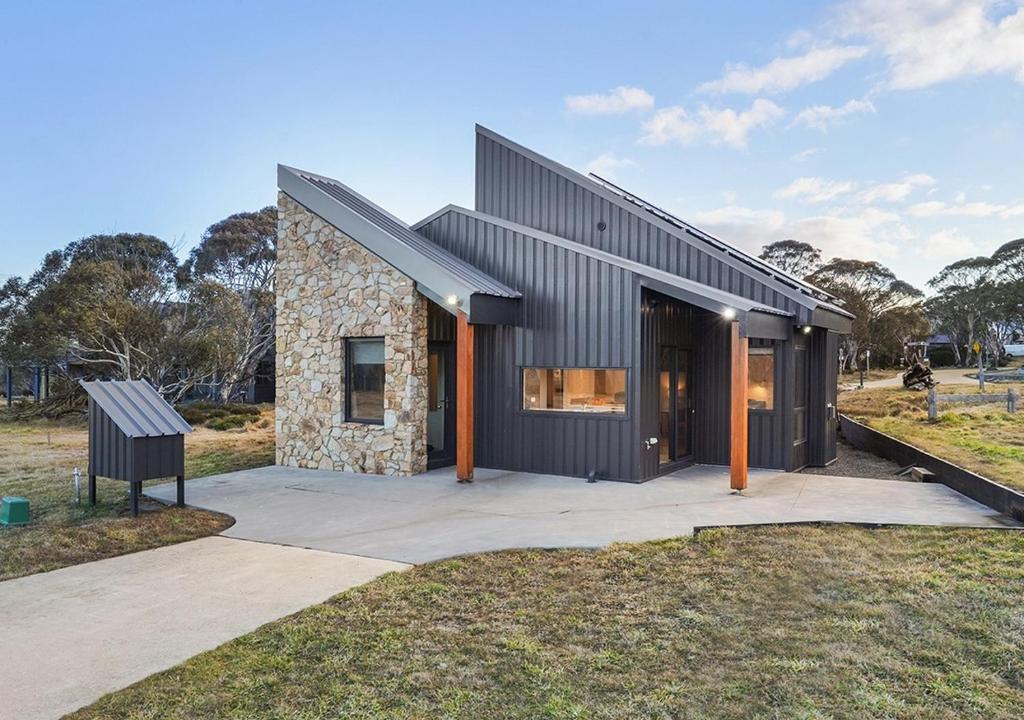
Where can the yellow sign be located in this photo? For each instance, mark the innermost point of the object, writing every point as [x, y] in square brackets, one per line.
[977, 347]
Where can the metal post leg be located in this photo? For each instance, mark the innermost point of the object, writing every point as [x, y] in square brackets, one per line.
[92, 489]
[181, 491]
[134, 493]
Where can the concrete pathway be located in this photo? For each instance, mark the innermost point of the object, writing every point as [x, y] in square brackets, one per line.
[72, 635]
[430, 516]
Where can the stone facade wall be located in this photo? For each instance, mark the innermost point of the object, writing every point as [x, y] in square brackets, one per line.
[330, 287]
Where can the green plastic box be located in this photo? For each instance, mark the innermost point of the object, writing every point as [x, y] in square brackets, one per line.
[14, 511]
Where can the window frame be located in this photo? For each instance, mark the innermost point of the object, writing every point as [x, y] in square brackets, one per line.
[764, 350]
[349, 417]
[552, 413]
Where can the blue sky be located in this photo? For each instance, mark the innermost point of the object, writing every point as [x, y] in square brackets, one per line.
[880, 130]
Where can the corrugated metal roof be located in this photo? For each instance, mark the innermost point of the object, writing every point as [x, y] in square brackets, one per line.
[699, 294]
[136, 408]
[802, 292]
[472, 278]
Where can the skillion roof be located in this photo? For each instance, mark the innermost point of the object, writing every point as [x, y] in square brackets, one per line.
[690, 291]
[437, 273]
[136, 408]
[800, 291]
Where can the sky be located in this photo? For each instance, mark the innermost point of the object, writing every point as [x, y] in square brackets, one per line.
[889, 131]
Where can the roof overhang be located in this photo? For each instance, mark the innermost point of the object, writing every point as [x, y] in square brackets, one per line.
[431, 277]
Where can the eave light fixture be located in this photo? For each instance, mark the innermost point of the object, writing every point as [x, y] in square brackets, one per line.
[452, 299]
[729, 314]
[807, 329]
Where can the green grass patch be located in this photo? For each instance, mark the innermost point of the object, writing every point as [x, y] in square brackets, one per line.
[797, 622]
[983, 438]
[36, 461]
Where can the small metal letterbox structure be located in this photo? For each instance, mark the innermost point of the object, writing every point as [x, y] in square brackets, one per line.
[134, 435]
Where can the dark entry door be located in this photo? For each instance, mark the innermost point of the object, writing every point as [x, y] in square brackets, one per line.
[674, 406]
[440, 404]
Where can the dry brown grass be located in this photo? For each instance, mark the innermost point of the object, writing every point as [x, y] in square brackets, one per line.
[36, 461]
[983, 438]
[798, 622]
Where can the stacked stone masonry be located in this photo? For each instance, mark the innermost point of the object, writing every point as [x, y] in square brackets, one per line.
[329, 287]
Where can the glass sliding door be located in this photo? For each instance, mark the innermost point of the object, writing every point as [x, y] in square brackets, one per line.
[674, 403]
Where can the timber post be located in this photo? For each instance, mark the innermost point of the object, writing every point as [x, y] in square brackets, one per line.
[464, 430]
[738, 409]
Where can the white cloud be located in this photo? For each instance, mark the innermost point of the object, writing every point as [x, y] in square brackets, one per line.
[948, 245]
[937, 208]
[821, 117]
[732, 127]
[619, 101]
[674, 124]
[896, 191]
[868, 233]
[783, 74]
[933, 41]
[671, 124]
[607, 165]
[815, 189]
[804, 155]
[734, 215]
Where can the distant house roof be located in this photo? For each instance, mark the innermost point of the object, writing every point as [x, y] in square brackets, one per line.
[136, 408]
[691, 291]
[437, 273]
[792, 287]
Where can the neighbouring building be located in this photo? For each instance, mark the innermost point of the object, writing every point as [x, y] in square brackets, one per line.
[563, 326]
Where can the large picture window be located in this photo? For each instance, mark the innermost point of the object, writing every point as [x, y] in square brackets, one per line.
[589, 390]
[364, 380]
[761, 379]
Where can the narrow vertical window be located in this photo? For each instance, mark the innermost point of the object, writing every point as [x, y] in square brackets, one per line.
[364, 381]
[761, 379]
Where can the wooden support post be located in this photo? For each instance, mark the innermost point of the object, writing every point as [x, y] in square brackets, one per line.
[464, 399]
[933, 404]
[738, 410]
[181, 490]
[92, 489]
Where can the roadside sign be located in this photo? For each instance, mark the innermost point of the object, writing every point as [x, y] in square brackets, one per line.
[976, 347]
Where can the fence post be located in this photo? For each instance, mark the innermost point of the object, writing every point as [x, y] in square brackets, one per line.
[1011, 400]
[933, 409]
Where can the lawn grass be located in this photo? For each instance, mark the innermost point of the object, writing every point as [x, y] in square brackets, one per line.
[983, 438]
[36, 461]
[768, 622]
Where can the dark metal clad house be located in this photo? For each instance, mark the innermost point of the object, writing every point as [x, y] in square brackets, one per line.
[627, 343]
[134, 435]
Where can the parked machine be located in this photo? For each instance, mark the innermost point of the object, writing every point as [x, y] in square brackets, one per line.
[918, 376]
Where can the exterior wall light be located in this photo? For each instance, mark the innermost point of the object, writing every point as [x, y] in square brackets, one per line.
[729, 314]
[452, 299]
[807, 329]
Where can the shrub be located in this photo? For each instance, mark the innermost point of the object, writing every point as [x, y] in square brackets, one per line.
[228, 422]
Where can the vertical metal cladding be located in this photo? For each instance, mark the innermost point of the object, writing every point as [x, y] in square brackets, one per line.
[516, 188]
[769, 443]
[577, 311]
[822, 419]
[114, 455]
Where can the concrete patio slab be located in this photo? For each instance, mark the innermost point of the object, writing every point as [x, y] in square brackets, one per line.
[72, 635]
[430, 516]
